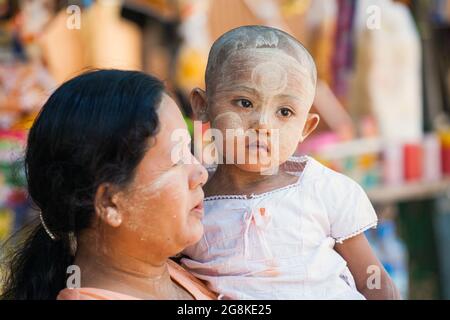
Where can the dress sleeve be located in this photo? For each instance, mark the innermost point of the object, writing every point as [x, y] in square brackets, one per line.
[350, 212]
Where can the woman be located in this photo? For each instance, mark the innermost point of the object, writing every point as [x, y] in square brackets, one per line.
[112, 200]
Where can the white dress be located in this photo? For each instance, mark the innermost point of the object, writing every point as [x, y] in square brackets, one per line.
[279, 244]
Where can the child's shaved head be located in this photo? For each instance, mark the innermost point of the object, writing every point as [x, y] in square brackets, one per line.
[261, 80]
[255, 37]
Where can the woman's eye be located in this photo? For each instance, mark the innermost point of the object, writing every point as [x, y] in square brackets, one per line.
[178, 163]
[244, 103]
[285, 112]
[184, 159]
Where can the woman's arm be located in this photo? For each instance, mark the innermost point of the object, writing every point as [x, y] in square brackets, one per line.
[371, 278]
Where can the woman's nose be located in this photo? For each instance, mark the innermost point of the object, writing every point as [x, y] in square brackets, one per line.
[199, 175]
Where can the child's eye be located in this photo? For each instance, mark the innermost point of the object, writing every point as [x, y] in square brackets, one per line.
[244, 103]
[285, 112]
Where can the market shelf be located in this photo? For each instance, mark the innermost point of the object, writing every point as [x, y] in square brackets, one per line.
[409, 192]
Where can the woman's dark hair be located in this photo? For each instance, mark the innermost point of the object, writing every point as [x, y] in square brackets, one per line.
[93, 129]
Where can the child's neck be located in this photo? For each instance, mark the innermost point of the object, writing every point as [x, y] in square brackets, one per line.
[229, 179]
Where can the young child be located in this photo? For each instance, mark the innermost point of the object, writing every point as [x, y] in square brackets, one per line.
[293, 229]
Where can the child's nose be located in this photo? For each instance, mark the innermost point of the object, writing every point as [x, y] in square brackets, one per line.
[262, 121]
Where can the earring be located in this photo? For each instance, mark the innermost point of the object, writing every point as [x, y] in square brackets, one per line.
[113, 217]
[73, 243]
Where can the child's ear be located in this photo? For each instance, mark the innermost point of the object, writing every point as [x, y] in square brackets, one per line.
[311, 124]
[199, 104]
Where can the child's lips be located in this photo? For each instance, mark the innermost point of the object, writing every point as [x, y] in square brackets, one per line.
[258, 145]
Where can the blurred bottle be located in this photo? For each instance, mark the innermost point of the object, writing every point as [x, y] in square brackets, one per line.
[413, 161]
[432, 163]
[371, 236]
[393, 164]
[445, 152]
[393, 255]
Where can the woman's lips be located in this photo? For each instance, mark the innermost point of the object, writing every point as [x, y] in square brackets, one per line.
[198, 209]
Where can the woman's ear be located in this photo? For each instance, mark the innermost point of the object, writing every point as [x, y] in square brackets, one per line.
[199, 104]
[311, 124]
[106, 207]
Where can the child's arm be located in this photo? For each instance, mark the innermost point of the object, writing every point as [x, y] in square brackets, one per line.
[360, 257]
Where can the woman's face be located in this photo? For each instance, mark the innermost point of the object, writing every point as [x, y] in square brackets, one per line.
[161, 208]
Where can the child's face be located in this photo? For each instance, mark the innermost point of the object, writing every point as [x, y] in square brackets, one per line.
[267, 92]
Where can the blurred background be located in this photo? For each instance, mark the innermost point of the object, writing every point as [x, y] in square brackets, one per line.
[383, 96]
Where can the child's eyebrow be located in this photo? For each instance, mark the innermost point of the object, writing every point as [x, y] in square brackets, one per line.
[250, 90]
[289, 96]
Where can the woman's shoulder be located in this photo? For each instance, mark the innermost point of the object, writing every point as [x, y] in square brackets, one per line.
[196, 287]
[92, 294]
[178, 274]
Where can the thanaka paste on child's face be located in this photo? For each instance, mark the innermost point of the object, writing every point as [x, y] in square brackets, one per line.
[271, 81]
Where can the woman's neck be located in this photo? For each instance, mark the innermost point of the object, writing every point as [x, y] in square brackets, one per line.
[229, 179]
[112, 270]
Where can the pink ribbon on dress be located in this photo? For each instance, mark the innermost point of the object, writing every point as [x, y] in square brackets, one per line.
[260, 219]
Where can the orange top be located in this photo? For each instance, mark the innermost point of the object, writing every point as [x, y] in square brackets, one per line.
[191, 284]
